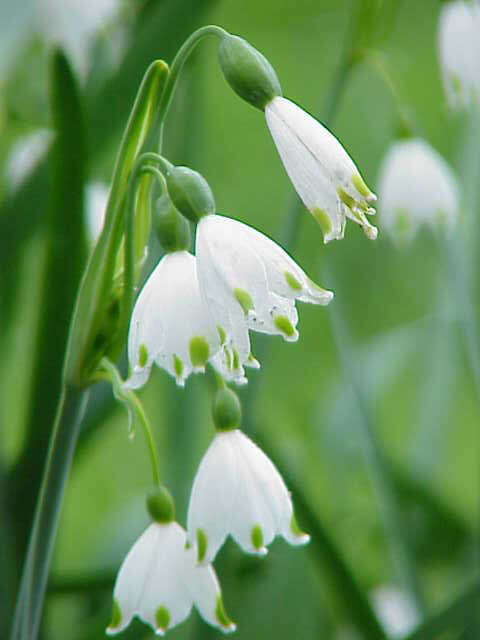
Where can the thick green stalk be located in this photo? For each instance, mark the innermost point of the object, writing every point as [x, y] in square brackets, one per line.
[62, 445]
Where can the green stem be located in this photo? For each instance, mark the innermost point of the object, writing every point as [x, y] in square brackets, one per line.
[129, 255]
[180, 59]
[133, 403]
[35, 574]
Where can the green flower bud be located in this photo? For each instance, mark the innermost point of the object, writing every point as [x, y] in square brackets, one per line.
[173, 231]
[160, 505]
[248, 72]
[227, 411]
[190, 193]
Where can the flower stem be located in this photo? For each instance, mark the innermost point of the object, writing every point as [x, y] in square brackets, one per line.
[35, 573]
[133, 404]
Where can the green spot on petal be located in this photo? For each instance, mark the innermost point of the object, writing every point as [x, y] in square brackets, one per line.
[162, 618]
[256, 536]
[323, 220]
[221, 615]
[359, 184]
[244, 300]
[142, 355]
[236, 360]
[116, 616]
[199, 351]
[292, 282]
[222, 334]
[177, 366]
[284, 325]
[295, 528]
[345, 198]
[201, 544]
[228, 359]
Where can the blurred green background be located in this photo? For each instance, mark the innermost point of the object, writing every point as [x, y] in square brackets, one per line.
[373, 416]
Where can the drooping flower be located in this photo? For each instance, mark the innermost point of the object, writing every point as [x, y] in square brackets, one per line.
[159, 581]
[172, 327]
[238, 491]
[459, 51]
[250, 282]
[322, 172]
[416, 186]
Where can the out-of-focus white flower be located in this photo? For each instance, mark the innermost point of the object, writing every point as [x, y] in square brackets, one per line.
[459, 50]
[249, 282]
[416, 186]
[25, 154]
[73, 23]
[96, 197]
[396, 610]
[160, 581]
[322, 172]
[172, 326]
[238, 491]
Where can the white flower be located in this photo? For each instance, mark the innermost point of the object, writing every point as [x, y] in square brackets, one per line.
[249, 282]
[73, 24]
[159, 581]
[396, 610]
[25, 155]
[172, 326]
[416, 186]
[459, 51]
[96, 196]
[322, 172]
[238, 491]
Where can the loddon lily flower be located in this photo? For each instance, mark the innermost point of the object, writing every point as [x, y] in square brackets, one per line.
[172, 327]
[159, 580]
[459, 51]
[416, 186]
[238, 491]
[322, 172]
[250, 282]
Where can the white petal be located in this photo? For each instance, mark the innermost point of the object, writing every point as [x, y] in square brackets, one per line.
[314, 186]
[169, 314]
[152, 577]
[96, 203]
[239, 491]
[307, 137]
[250, 282]
[205, 593]
[416, 186]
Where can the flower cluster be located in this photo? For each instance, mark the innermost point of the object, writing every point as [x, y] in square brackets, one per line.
[198, 309]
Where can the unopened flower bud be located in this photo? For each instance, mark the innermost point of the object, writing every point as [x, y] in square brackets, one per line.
[173, 231]
[248, 72]
[190, 193]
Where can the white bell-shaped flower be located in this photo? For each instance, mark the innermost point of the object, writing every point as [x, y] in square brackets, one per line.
[416, 186]
[172, 326]
[459, 51]
[249, 282]
[322, 172]
[238, 491]
[160, 581]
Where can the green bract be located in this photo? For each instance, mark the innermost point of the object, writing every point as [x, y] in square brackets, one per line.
[95, 329]
[227, 411]
[190, 193]
[173, 231]
[248, 72]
